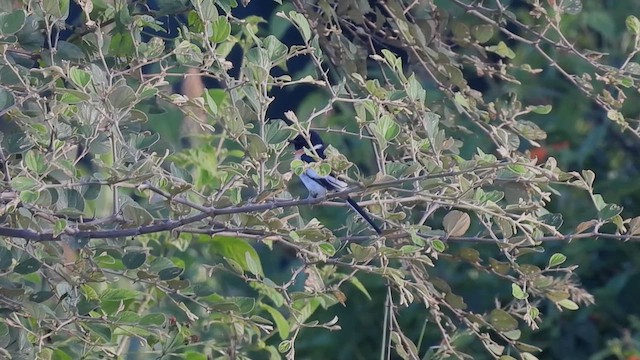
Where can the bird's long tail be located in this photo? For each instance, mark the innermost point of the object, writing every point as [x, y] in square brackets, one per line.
[354, 205]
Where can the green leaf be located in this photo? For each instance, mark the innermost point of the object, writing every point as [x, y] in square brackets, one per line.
[105, 260]
[102, 331]
[122, 45]
[211, 104]
[568, 304]
[482, 33]
[134, 260]
[59, 227]
[59, 354]
[284, 346]
[160, 263]
[276, 132]
[69, 51]
[152, 49]
[542, 109]
[297, 166]
[502, 49]
[557, 259]
[276, 50]
[35, 162]
[530, 130]
[456, 301]
[461, 100]
[302, 24]
[327, 249]
[414, 89]
[616, 116]
[153, 319]
[28, 196]
[609, 211]
[513, 334]
[128, 317]
[144, 275]
[58, 9]
[79, 76]
[188, 54]
[358, 284]
[633, 68]
[554, 220]
[122, 97]
[281, 323]
[40, 296]
[517, 292]
[116, 294]
[260, 57]
[253, 266]
[239, 251]
[206, 9]
[72, 97]
[633, 25]
[170, 273]
[135, 214]
[269, 289]
[27, 266]
[11, 23]
[256, 147]
[388, 128]
[221, 30]
[438, 245]
[30, 36]
[469, 254]
[6, 258]
[178, 284]
[6, 99]
[362, 253]
[218, 96]
[71, 202]
[91, 191]
[502, 320]
[324, 169]
[192, 355]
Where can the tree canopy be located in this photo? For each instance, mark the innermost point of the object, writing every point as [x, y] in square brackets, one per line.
[150, 205]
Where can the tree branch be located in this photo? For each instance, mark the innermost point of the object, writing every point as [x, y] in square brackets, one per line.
[205, 212]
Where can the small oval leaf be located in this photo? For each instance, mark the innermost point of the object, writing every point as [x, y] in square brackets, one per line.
[170, 273]
[456, 223]
[134, 260]
[27, 266]
[557, 259]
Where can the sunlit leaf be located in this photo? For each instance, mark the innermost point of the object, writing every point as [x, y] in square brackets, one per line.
[239, 251]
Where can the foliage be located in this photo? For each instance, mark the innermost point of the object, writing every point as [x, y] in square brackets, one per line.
[116, 240]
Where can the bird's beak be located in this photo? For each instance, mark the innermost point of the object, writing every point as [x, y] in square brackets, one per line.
[298, 152]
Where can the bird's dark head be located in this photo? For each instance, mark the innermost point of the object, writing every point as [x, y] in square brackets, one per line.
[300, 142]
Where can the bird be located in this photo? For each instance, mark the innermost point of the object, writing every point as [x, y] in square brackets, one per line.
[317, 185]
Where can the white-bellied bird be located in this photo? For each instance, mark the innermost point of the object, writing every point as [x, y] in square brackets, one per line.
[317, 185]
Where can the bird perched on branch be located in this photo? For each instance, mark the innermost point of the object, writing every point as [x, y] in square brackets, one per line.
[318, 185]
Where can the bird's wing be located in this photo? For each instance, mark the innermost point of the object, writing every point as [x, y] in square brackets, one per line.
[329, 181]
